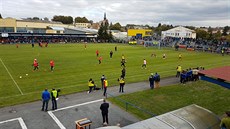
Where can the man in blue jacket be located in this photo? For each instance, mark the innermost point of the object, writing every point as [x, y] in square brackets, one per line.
[45, 99]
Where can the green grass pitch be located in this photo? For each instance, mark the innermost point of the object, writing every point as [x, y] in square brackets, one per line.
[74, 65]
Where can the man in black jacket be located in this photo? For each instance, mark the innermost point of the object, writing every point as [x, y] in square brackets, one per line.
[104, 111]
[151, 81]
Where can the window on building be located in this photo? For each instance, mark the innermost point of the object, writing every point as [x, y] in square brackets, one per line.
[6, 29]
[21, 29]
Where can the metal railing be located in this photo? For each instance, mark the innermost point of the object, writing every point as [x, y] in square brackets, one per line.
[127, 104]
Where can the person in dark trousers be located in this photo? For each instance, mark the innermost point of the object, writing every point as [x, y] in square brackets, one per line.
[115, 48]
[91, 85]
[111, 54]
[189, 75]
[183, 77]
[46, 44]
[222, 52]
[97, 53]
[121, 80]
[144, 64]
[100, 59]
[123, 71]
[123, 63]
[54, 95]
[105, 86]
[35, 64]
[104, 111]
[151, 81]
[102, 81]
[51, 65]
[157, 80]
[178, 70]
[45, 99]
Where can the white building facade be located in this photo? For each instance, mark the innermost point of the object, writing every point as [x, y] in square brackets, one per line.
[179, 32]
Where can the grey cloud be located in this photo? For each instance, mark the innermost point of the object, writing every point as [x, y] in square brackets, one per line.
[193, 12]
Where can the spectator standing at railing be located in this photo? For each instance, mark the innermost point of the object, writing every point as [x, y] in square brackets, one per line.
[151, 81]
[121, 80]
[183, 77]
[157, 80]
[195, 74]
[189, 75]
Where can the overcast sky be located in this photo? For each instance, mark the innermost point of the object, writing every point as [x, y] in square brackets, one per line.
[176, 12]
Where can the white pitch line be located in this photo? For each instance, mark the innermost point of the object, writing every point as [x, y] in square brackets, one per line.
[78, 105]
[8, 120]
[56, 119]
[11, 77]
[21, 122]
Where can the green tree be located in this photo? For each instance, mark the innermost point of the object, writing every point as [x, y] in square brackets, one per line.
[227, 38]
[91, 22]
[63, 19]
[217, 35]
[103, 33]
[159, 25]
[0, 16]
[201, 34]
[29, 18]
[81, 20]
[116, 26]
[46, 19]
[190, 27]
[161, 28]
[36, 18]
[110, 36]
[225, 30]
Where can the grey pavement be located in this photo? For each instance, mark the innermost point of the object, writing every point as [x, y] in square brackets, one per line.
[34, 118]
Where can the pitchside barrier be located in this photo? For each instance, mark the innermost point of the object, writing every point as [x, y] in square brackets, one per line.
[131, 106]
